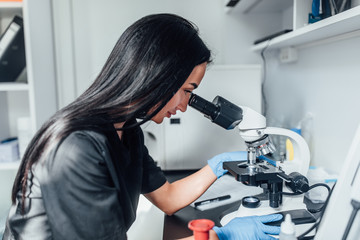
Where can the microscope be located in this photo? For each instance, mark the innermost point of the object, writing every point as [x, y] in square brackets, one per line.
[275, 177]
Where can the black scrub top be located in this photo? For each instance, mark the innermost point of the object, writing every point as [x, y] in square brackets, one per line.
[87, 188]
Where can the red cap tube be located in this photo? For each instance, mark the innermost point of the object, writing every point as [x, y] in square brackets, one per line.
[201, 228]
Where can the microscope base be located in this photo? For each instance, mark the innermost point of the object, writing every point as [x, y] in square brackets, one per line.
[294, 205]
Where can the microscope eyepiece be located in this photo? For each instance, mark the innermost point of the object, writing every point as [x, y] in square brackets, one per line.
[220, 111]
[209, 109]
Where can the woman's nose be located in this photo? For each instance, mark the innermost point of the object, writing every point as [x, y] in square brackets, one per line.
[183, 105]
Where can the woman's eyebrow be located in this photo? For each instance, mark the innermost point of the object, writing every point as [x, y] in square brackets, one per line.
[194, 85]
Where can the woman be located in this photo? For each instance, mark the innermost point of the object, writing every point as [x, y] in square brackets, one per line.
[84, 170]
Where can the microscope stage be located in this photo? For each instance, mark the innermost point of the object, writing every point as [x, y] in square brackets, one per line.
[253, 174]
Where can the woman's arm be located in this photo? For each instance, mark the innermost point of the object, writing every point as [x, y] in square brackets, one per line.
[172, 197]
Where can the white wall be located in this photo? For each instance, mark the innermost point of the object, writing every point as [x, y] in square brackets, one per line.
[322, 82]
[325, 82]
[87, 30]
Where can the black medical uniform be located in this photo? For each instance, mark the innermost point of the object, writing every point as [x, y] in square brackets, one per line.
[87, 188]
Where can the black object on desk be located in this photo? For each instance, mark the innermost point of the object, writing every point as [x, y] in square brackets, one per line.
[298, 216]
[212, 200]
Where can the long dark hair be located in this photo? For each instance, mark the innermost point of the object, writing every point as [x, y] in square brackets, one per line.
[149, 63]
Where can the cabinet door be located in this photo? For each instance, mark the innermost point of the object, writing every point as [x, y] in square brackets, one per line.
[7, 177]
[8, 89]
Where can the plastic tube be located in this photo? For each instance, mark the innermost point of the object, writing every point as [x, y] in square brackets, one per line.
[201, 228]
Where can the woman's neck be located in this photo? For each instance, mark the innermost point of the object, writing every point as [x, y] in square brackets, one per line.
[119, 125]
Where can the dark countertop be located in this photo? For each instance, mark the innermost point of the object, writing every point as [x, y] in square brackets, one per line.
[176, 226]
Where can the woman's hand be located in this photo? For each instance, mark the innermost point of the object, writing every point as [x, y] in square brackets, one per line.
[216, 163]
[249, 228]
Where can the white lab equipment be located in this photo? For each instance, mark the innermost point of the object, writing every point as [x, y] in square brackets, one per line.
[339, 220]
[287, 229]
[273, 178]
[25, 133]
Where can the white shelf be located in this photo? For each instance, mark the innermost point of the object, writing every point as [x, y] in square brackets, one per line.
[10, 5]
[9, 165]
[13, 86]
[345, 22]
[39, 93]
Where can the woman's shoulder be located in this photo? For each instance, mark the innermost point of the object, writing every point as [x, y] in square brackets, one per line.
[87, 134]
[85, 138]
[81, 145]
[80, 153]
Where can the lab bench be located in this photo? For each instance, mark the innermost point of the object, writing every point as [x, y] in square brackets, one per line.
[176, 226]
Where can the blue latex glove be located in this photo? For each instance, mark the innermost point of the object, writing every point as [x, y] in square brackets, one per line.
[249, 228]
[216, 162]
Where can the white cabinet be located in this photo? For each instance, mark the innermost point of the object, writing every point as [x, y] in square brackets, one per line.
[341, 25]
[36, 96]
[8, 90]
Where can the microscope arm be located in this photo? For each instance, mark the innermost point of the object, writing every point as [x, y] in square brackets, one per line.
[301, 160]
[252, 128]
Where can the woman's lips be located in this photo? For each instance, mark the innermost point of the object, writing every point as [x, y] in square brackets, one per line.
[168, 114]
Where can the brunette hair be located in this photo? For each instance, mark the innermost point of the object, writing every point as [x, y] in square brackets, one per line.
[149, 63]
